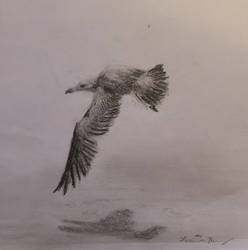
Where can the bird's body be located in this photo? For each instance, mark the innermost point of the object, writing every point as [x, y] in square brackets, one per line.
[149, 86]
[119, 79]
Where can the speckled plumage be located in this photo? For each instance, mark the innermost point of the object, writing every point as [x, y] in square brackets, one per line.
[149, 86]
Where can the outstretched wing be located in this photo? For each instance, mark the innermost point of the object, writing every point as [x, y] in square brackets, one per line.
[96, 121]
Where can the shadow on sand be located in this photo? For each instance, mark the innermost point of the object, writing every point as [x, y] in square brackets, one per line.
[118, 223]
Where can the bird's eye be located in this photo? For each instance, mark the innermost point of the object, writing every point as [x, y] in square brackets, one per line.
[82, 85]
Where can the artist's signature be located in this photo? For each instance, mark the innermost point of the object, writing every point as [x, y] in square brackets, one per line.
[201, 238]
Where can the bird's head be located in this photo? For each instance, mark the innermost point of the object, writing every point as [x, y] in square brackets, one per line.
[89, 85]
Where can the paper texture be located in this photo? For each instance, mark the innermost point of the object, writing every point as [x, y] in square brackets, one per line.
[183, 168]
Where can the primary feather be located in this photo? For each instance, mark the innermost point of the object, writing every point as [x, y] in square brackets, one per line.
[97, 120]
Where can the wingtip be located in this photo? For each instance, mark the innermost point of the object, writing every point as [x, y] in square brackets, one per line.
[154, 108]
[58, 188]
[55, 190]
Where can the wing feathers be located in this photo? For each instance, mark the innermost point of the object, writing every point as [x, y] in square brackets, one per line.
[97, 121]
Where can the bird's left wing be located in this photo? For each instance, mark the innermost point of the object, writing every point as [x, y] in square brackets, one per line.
[96, 121]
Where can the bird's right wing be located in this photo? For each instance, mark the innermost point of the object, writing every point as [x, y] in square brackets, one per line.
[96, 121]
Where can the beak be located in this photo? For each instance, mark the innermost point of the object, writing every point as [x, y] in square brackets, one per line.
[70, 90]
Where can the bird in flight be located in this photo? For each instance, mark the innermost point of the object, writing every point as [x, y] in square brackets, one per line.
[148, 86]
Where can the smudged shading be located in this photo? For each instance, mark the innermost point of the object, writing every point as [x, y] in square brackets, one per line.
[149, 233]
[118, 223]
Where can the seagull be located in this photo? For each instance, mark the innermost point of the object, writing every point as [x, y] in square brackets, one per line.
[148, 86]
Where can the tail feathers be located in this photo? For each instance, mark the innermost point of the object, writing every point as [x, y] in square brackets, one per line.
[151, 87]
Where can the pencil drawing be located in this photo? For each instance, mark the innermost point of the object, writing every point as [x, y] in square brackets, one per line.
[118, 223]
[148, 86]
